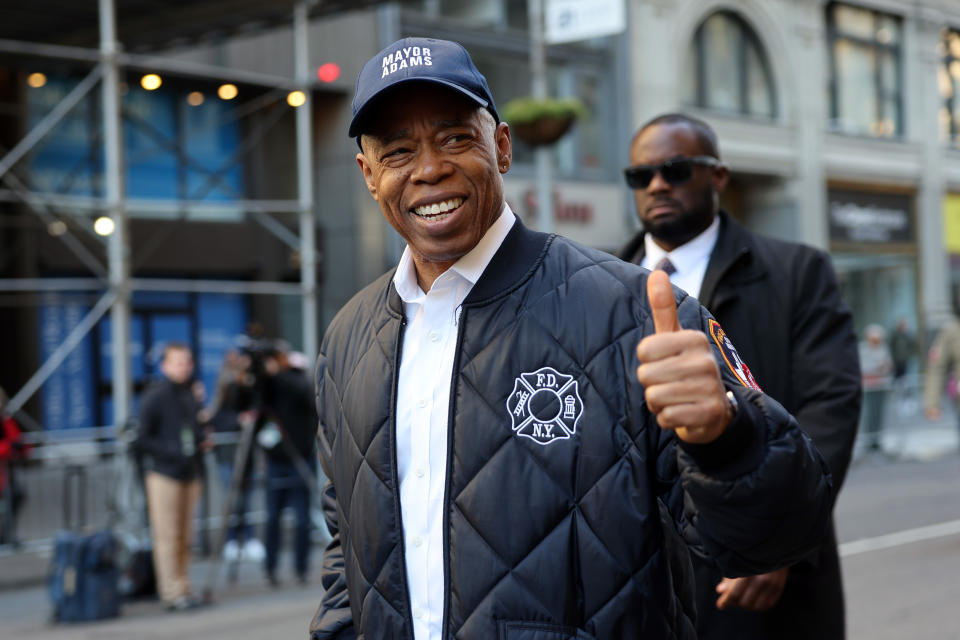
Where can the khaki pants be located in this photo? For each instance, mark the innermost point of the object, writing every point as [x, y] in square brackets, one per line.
[171, 504]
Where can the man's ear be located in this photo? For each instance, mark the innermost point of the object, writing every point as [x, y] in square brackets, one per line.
[501, 137]
[367, 170]
[721, 177]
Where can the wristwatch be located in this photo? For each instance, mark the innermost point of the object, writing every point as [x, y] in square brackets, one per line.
[734, 405]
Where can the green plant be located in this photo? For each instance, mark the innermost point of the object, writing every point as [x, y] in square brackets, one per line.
[526, 110]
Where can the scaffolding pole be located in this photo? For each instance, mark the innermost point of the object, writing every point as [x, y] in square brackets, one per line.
[117, 247]
[308, 256]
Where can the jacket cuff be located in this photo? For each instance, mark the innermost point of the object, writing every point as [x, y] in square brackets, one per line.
[739, 449]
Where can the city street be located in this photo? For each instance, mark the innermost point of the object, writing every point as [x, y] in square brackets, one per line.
[898, 586]
[902, 586]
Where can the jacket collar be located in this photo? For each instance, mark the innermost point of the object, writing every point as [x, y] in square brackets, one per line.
[520, 254]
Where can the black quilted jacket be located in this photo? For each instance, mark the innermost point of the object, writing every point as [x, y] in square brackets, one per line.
[569, 513]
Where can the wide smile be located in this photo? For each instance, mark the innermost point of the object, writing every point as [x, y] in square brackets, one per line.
[438, 211]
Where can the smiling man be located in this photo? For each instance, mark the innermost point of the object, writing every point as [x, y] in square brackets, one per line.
[525, 436]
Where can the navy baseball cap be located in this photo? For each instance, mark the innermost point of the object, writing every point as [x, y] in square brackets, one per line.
[419, 60]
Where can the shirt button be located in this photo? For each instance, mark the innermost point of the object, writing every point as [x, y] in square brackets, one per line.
[417, 541]
[422, 403]
[419, 472]
[418, 613]
[434, 336]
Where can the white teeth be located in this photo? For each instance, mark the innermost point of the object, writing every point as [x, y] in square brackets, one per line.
[438, 210]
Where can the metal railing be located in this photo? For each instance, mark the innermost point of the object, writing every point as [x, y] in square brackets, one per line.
[88, 479]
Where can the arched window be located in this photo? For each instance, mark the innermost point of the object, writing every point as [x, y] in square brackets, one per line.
[727, 69]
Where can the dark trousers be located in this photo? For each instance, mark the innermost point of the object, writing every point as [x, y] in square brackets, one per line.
[285, 488]
[873, 405]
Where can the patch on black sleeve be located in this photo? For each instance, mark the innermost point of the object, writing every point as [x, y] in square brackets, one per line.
[736, 364]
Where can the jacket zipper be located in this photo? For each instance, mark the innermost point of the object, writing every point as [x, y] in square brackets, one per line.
[408, 619]
[461, 320]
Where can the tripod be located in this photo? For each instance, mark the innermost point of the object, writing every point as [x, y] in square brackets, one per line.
[242, 459]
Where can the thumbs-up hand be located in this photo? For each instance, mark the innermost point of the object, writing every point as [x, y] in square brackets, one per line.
[678, 372]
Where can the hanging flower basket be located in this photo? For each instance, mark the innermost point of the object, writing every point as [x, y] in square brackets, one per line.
[542, 122]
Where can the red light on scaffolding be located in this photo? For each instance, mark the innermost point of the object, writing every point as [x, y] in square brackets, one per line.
[328, 72]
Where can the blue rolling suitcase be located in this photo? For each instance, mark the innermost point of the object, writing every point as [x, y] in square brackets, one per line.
[83, 583]
[84, 580]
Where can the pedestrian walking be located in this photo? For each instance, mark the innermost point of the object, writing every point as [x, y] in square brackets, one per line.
[12, 450]
[877, 366]
[943, 358]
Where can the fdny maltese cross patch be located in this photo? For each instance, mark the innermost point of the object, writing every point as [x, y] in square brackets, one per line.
[545, 406]
[736, 364]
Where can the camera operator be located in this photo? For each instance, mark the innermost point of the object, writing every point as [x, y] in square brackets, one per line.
[234, 403]
[288, 437]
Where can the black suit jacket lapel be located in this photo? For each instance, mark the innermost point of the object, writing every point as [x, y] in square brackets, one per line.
[730, 262]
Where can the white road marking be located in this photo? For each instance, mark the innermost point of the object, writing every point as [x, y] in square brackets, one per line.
[899, 538]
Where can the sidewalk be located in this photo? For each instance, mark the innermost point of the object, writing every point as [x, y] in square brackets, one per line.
[247, 608]
[908, 435]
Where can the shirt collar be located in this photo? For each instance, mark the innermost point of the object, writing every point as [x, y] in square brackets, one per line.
[470, 266]
[688, 255]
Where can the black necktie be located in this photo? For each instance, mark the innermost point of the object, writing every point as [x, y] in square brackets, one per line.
[665, 265]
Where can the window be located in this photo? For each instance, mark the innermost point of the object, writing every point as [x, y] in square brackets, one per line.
[727, 69]
[948, 80]
[865, 71]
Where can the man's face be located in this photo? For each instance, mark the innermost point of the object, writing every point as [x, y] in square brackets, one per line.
[675, 214]
[433, 161]
[177, 365]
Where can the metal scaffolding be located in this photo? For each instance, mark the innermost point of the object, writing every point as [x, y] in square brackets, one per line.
[109, 63]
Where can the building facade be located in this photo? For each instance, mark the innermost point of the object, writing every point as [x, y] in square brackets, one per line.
[839, 123]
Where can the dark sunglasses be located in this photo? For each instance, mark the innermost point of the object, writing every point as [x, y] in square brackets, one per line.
[674, 172]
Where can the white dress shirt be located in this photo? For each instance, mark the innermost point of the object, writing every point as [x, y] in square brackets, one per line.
[690, 259]
[423, 400]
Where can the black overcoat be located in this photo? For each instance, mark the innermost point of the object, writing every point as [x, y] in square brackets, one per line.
[780, 304]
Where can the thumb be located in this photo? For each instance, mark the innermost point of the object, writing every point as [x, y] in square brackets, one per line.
[662, 303]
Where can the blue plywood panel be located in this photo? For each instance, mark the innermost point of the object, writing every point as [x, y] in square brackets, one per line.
[65, 161]
[221, 319]
[68, 395]
[211, 139]
[150, 131]
[70, 159]
[74, 396]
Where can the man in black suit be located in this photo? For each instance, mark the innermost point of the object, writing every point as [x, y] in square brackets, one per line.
[780, 304]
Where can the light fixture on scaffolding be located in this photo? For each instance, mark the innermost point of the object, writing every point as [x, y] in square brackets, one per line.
[104, 225]
[296, 98]
[151, 81]
[227, 91]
